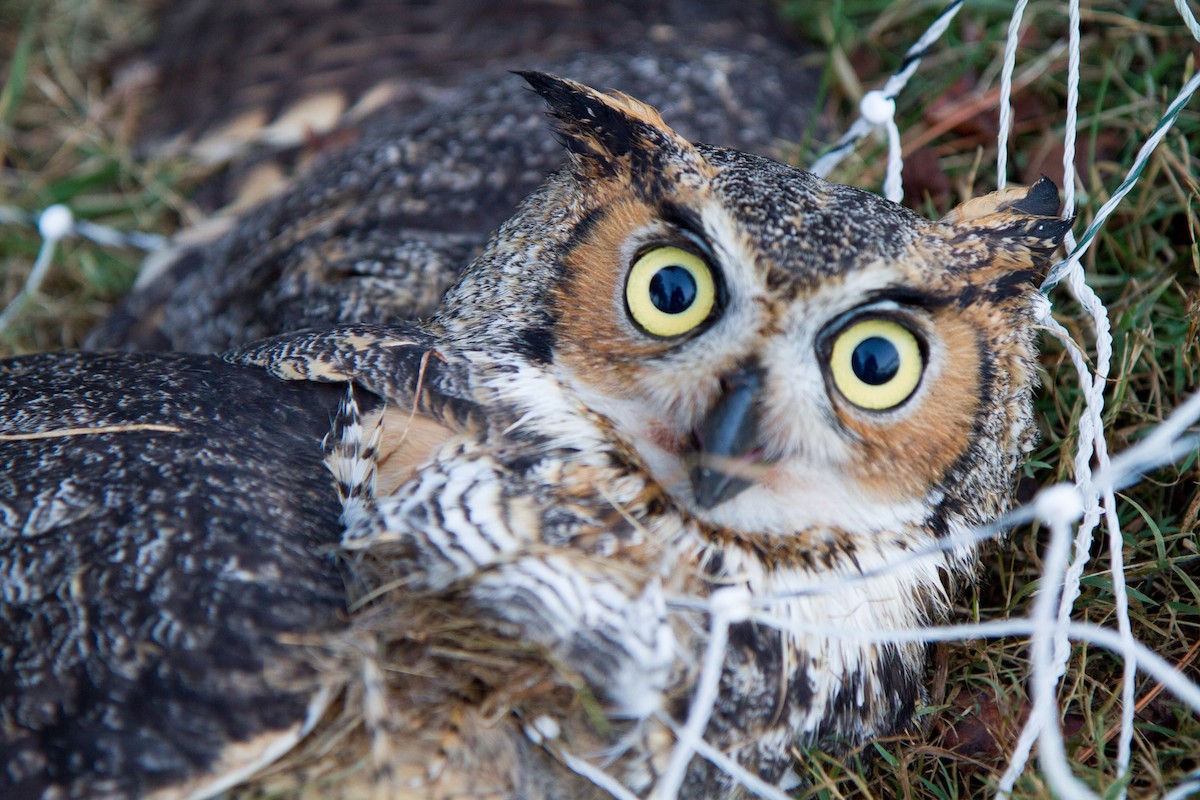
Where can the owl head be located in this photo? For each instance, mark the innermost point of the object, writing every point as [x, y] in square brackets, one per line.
[784, 354]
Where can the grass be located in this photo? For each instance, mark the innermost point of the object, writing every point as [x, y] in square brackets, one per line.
[66, 136]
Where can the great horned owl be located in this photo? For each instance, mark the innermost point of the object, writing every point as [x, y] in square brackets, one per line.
[678, 368]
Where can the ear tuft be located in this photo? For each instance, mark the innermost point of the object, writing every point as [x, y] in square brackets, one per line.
[1025, 217]
[607, 134]
[1041, 200]
[574, 104]
[1018, 227]
[1046, 235]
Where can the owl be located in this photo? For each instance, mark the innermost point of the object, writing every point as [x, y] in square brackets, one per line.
[679, 376]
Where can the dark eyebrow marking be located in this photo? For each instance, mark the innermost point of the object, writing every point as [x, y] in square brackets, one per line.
[682, 217]
[907, 296]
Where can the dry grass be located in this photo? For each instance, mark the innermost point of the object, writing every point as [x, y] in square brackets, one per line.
[66, 136]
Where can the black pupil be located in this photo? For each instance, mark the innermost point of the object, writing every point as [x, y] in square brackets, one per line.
[875, 361]
[673, 290]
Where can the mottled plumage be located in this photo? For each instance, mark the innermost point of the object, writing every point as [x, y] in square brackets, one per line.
[639, 393]
[167, 543]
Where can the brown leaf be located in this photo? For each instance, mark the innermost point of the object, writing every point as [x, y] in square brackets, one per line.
[924, 178]
[983, 730]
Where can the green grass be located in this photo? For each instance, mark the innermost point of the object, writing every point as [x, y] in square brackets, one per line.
[66, 136]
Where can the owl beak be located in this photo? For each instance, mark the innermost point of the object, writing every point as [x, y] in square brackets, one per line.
[726, 443]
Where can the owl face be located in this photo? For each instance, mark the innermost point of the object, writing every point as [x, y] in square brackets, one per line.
[786, 356]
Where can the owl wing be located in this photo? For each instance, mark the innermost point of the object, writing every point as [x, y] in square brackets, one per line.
[399, 363]
[479, 511]
[167, 550]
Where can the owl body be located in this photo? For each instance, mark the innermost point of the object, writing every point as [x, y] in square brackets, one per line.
[678, 377]
[167, 536]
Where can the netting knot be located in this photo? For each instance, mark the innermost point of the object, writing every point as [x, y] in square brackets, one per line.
[56, 223]
[732, 603]
[877, 108]
[543, 729]
[1059, 505]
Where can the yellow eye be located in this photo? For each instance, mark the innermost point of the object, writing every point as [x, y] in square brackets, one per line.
[876, 364]
[669, 291]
